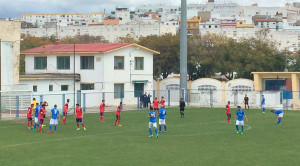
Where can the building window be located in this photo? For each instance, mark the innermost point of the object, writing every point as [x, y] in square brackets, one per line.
[34, 88]
[87, 62]
[64, 87]
[119, 62]
[40, 63]
[119, 91]
[241, 88]
[139, 63]
[138, 89]
[173, 87]
[50, 88]
[63, 62]
[87, 87]
[207, 88]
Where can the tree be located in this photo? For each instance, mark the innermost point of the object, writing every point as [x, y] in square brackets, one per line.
[127, 39]
[83, 39]
[167, 61]
[294, 62]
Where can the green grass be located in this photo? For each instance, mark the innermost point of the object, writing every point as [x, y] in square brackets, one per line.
[201, 138]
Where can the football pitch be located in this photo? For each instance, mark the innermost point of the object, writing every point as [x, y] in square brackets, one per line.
[203, 137]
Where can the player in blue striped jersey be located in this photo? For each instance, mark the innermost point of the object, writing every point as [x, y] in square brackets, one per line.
[279, 115]
[152, 122]
[162, 118]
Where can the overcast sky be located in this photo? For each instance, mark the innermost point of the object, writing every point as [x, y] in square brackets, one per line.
[14, 8]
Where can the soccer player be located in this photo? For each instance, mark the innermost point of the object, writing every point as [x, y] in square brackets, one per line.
[240, 115]
[36, 116]
[41, 117]
[66, 107]
[102, 105]
[162, 118]
[162, 102]
[155, 105]
[118, 112]
[152, 122]
[53, 119]
[279, 115]
[228, 114]
[246, 102]
[263, 102]
[29, 116]
[181, 106]
[79, 116]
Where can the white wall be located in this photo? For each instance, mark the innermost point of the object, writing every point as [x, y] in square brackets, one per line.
[202, 98]
[7, 63]
[241, 94]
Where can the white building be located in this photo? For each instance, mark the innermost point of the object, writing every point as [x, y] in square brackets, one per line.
[221, 9]
[63, 19]
[285, 39]
[110, 32]
[10, 53]
[123, 14]
[117, 69]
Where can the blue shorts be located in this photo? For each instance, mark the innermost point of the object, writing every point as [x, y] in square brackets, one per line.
[29, 119]
[65, 113]
[118, 117]
[78, 120]
[101, 113]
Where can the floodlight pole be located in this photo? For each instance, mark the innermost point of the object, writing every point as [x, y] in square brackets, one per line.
[0, 81]
[74, 79]
[183, 50]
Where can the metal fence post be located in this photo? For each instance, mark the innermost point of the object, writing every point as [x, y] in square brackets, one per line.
[138, 102]
[211, 97]
[83, 102]
[17, 106]
[235, 98]
[169, 95]
[121, 97]
[187, 97]
[103, 95]
[41, 98]
[79, 97]
[63, 101]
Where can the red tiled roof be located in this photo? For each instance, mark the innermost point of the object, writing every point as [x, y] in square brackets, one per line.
[91, 47]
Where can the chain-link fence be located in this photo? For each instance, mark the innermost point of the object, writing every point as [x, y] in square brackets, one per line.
[14, 104]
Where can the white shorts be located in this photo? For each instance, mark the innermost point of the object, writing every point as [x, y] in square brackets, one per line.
[262, 106]
[53, 122]
[162, 121]
[239, 122]
[152, 124]
[36, 120]
[280, 115]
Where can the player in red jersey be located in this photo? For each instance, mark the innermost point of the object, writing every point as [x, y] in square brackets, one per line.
[41, 117]
[228, 114]
[162, 102]
[155, 105]
[79, 116]
[102, 105]
[118, 112]
[65, 112]
[29, 116]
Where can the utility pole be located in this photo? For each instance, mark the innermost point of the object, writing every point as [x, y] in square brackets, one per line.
[0, 81]
[74, 79]
[183, 50]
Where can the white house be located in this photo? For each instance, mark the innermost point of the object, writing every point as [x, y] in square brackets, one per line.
[121, 70]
